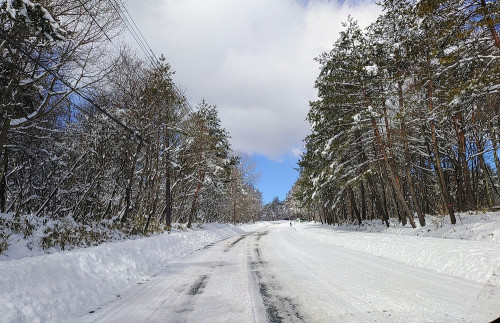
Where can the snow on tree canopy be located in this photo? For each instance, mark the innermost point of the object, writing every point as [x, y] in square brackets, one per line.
[450, 50]
[33, 16]
[371, 69]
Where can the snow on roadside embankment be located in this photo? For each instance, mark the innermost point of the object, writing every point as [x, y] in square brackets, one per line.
[470, 250]
[65, 284]
[478, 226]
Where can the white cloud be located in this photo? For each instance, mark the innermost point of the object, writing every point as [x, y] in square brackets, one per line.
[296, 152]
[253, 59]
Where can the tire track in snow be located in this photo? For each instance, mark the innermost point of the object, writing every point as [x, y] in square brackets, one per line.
[197, 287]
[232, 244]
[279, 308]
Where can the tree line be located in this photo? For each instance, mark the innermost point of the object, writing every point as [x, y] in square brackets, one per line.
[407, 119]
[93, 137]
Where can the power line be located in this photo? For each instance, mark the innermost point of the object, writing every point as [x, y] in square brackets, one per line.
[73, 104]
[107, 36]
[98, 25]
[140, 33]
[143, 43]
[137, 35]
[70, 86]
[143, 46]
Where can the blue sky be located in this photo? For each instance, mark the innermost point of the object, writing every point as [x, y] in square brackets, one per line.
[277, 175]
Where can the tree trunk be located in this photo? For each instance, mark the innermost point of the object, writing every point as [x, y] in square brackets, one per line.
[4, 132]
[108, 208]
[482, 164]
[411, 187]
[233, 188]
[3, 182]
[460, 132]
[155, 185]
[495, 152]
[363, 201]
[459, 179]
[495, 108]
[156, 189]
[392, 176]
[444, 186]
[491, 24]
[376, 199]
[352, 201]
[128, 189]
[167, 211]
[201, 176]
[392, 161]
[378, 204]
[372, 207]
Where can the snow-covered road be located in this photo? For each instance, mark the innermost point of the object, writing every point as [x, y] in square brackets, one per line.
[280, 273]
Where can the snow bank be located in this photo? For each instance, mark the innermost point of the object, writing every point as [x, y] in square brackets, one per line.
[478, 226]
[58, 286]
[470, 251]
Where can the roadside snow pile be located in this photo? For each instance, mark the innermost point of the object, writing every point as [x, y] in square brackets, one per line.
[470, 251]
[479, 226]
[64, 284]
[28, 236]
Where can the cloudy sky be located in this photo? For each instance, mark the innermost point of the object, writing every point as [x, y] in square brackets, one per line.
[254, 59]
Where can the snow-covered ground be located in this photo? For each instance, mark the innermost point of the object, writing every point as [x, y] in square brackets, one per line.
[58, 286]
[294, 274]
[478, 226]
[64, 285]
[468, 249]
[474, 260]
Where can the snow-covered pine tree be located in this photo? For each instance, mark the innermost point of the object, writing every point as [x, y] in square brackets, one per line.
[209, 151]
